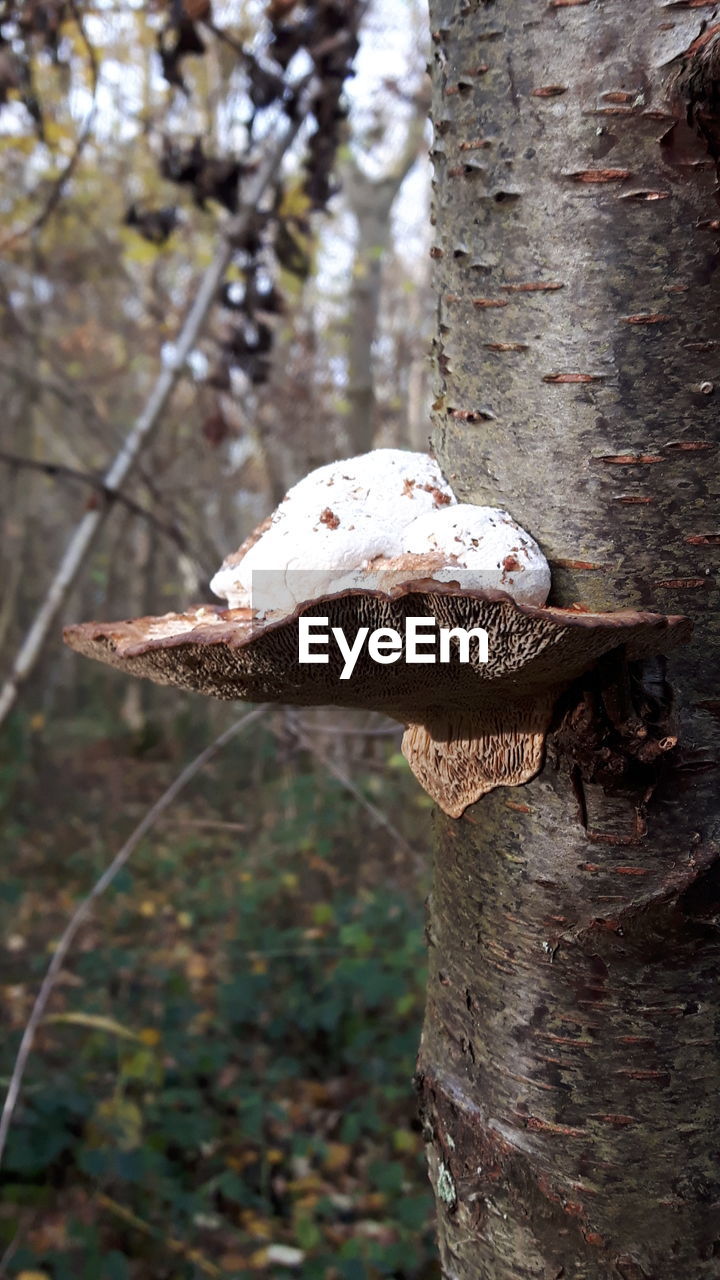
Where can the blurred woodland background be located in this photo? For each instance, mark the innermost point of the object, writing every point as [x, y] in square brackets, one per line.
[223, 1084]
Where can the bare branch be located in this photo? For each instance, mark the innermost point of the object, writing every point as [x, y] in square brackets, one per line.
[82, 912]
[343, 731]
[58, 470]
[376, 814]
[145, 425]
[178, 1247]
[14, 1245]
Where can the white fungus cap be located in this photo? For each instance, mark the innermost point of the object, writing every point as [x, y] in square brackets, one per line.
[330, 525]
[334, 530]
[485, 550]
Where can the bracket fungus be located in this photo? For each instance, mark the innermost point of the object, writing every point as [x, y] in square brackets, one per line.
[376, 545]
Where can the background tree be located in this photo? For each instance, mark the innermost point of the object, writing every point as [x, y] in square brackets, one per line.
[570, 1036]
[371, 200]
[269, 212]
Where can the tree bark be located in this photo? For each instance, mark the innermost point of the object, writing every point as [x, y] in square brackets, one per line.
[569, 1062]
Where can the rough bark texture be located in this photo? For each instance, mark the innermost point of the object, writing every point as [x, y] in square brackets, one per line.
[569, 1064]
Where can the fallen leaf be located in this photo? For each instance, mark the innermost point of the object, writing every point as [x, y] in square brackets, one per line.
[285, 1256]
[196, 967]
[95, 1022]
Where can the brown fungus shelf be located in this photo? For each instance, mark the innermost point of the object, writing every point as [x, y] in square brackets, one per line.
[470, 726]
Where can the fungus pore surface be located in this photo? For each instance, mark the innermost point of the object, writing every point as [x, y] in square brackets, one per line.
[470, 725]
[371, 543]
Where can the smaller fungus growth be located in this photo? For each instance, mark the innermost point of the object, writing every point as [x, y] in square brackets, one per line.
[378, 544]
[481, 548]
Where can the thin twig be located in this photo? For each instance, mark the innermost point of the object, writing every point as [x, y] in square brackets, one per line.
[175, 1246]
[59, 470]
[14, 1245]
[82, 912]
[340, 731]
[145, 425]
[208, 824]
[375, 813]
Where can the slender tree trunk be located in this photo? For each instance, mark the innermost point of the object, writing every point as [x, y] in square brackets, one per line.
[371, 202]
[569, 1063]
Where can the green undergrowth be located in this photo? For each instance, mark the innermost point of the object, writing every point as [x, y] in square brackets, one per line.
[223, 1087]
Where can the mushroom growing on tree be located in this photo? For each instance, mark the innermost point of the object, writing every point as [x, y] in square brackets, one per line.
[377, 553]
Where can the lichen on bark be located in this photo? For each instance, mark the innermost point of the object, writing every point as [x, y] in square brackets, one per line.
[569, 1056]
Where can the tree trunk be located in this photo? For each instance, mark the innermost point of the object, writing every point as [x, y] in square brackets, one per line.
[569, 1063]
[371, 202]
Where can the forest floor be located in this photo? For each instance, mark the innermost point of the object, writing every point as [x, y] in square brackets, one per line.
[223, 1086]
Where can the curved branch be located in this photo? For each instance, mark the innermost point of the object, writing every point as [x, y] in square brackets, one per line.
[58, 470]
[82, 912]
